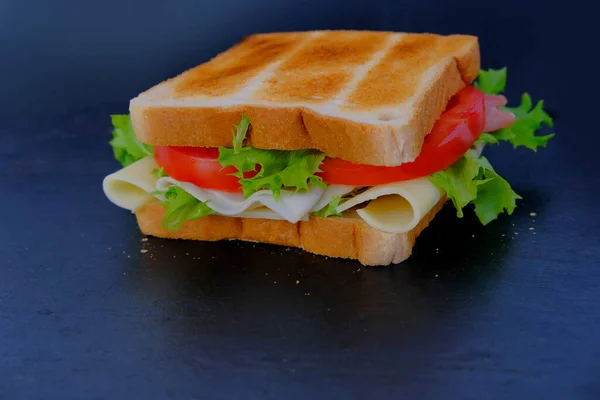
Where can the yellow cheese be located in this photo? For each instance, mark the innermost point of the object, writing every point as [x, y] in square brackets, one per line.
[131, 186]
[395, 207]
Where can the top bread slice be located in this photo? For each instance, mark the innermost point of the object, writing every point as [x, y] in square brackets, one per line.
[366, 97]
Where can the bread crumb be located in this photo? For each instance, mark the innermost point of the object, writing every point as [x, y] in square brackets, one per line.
[144, 239]
[274, 281]
[436, 275]
[503, 234]
[472, 235]
[532, 214]
[187, 254]
[297, 282]
[143, 250]
[516, 233]
[266, 274]
[531, 228]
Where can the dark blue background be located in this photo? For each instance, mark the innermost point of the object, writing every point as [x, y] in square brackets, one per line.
[70, 53]
[477, 313]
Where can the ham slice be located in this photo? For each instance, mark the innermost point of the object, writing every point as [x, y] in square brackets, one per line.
[496, 118]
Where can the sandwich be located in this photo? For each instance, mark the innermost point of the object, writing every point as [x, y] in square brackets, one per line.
[342, 143]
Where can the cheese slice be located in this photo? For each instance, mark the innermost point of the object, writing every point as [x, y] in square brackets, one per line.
[331, 192]
[395, 207]
[291, 206]
[135, 185]
[131, 186]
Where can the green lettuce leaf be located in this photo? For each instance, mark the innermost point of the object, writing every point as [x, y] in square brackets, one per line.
[474, 181]
[181, 206]
[459, 182]
[239, 134]
[492, 81]
[494, 195]
[126, 147]
[159, 172]
[529, 121]
[487, 138]
[330, 209]
[277, 168]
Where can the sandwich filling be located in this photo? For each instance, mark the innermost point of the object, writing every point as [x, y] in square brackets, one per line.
[242, 181]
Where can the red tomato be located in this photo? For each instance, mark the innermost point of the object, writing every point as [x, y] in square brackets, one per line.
[198, 165]
[452, 135]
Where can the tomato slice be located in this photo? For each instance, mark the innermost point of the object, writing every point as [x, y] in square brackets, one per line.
[198, 165]
[452, 135]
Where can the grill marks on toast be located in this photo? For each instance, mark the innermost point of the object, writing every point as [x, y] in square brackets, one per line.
[321, 70]
[289, 87]
[344, 68]
[334, 51]
[229, 72]
[366, 97]
[411, 58]
[362, 70]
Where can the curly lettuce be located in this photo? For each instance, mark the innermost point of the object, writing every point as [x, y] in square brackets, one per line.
[181, 206]
[492, 81]
[529, 119]
[126, 147]
[159, 172]
[473, 180]
[277, 169]
[330, 210]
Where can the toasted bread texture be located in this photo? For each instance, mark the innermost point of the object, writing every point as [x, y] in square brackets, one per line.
[366, 97]
[334, 237]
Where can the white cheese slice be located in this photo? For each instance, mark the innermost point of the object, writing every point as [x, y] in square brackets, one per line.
[396, 207]
[291, 206]
[131, 186]
[331, 192]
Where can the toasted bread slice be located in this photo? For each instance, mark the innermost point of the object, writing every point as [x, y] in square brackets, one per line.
[367, 97]
[333, 237]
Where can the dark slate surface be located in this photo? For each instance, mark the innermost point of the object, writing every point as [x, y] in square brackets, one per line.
[497, 312]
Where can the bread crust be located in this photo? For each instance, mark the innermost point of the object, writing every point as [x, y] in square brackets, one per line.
[360, 131]
[348, 238]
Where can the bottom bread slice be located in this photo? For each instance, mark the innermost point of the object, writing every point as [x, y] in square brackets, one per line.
[334, 237]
